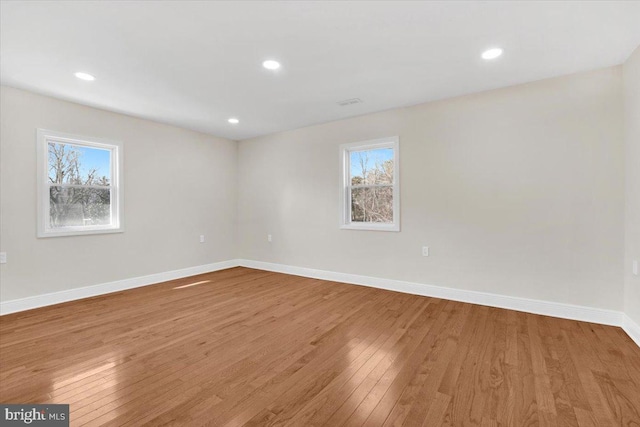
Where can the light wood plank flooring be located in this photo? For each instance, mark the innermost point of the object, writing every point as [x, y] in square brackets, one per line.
[249, 347]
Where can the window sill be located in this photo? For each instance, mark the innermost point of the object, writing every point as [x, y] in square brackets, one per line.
[65, 232]
[371, 227]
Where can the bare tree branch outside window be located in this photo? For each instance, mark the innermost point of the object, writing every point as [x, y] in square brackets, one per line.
[79, 193]
[372, 185]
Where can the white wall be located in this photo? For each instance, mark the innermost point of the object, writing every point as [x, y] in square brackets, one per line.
[632, 156]
[178, 184]
[517, 191]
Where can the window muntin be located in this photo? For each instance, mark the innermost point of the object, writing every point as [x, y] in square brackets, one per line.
[79, 184]
[370, 186]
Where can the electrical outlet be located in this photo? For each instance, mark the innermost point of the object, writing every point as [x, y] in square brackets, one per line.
[425, 251]
[202, 238]
[3, 257]
[635, 267]
[269, 238]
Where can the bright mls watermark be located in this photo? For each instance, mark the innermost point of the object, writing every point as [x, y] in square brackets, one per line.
[34, 415]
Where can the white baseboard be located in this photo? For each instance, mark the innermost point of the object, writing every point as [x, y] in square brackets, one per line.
[631, 328]
[547, 308]
[12, 306]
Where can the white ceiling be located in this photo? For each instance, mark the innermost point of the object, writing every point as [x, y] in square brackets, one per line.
[195, 64]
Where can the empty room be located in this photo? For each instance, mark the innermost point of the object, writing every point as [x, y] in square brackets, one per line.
[320, 213]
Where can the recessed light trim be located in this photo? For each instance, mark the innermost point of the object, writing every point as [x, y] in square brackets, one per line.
[492, 53]
[271, 64]
[85, 76]
[233, 120]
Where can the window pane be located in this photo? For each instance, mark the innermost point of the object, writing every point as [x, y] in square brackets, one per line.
[78, 164]
[371, 166]
[372, 204]
[79, 206]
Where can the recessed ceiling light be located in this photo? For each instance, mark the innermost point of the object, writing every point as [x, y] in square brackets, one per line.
[492, 53]
[270, 64]
[85, 76]
[233, 121]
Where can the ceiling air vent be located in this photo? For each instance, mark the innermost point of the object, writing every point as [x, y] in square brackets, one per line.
[350, 102]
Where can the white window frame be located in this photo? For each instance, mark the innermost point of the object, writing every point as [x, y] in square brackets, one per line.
[392, 142]
[116, 185]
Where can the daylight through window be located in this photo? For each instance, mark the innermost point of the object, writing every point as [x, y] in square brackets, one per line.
[80, 185]
[370, 190]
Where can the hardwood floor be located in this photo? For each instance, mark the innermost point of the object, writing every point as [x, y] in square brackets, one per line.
[249, 347]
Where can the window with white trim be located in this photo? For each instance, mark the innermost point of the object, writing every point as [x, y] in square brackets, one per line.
[370, 185]
[79, 185]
